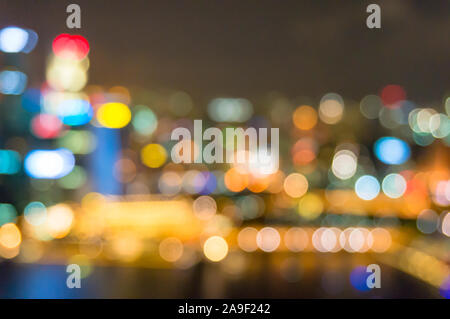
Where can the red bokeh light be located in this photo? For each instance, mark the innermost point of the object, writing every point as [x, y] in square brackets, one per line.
[74, 47]
[46, 126]
[391, 95]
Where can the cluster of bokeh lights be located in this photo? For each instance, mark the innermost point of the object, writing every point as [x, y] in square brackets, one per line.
[232, 208]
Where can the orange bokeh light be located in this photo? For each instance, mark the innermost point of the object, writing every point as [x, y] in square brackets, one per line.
[235, 181]
[305, 117]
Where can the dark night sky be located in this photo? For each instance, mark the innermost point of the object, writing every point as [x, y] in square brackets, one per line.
[247, 48]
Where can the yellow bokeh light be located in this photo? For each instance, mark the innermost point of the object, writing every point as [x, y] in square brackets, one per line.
[114, 115]
[215, 248]
[310, 206]
[305, 117]
[67, 75]
[59, 220]
[153, 155]
[9, 253]
[10, 236]
[127, 247]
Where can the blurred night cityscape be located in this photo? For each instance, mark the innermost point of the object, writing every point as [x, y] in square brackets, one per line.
[87, 176]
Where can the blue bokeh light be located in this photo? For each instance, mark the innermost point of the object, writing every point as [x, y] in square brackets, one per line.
[75, 112]
[12, 82]
[445, 288]
[392, 150]
[9, 162]
[358, 278]
[32, 41]
[49, 164]
[31, 100]
[13, 39]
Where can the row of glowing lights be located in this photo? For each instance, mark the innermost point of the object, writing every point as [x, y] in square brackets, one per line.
[389, 150]
[215, 248]
[324, 239]
[55, 222]
[425, 123]
[295, 185]
[429, 121]
[55, 164]
[428, 221]
[118, 115]
[61, 162]
[58, 163]
[331, 109]
[73, 109]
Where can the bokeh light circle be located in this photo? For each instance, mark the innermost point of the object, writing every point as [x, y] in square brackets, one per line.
[367, 187]
[427, 221]
[247, 239]
[215, 248]
[392, 150]
[344, 164]
[171, 249]
[10, 236]
[310, 206]
[72, 47]
[268, 239]
[305, 117]
[394, 185]
[153, 155]
[35, 213]
[331, 109]
[295, 185]
[13, 39]
[114, 115]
